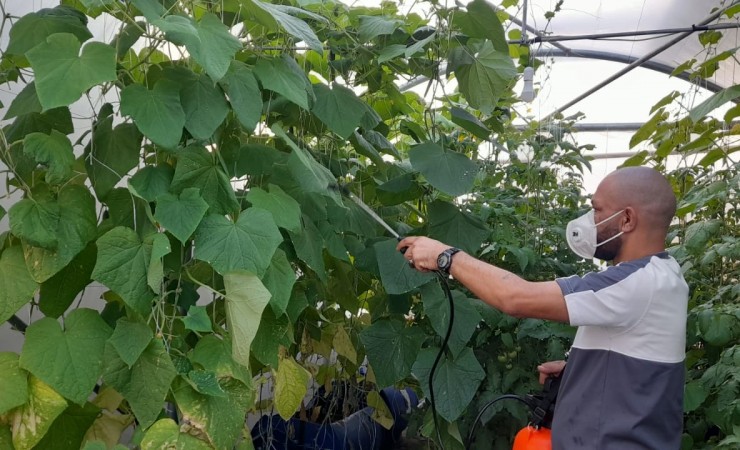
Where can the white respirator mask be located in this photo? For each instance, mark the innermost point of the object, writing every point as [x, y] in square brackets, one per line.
[581, 234]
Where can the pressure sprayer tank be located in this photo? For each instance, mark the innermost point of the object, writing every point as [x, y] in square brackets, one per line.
[531, 438]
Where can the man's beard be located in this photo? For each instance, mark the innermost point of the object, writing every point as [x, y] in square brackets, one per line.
[609, 250]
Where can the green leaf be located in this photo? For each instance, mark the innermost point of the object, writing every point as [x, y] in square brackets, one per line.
[342, 343]
[214, 354]
[215, 47]
[196, 168]
[437, 307]
[58, 292]
[157, 112]
[180, 215]
[374, 26]
[197, 320]
[53, 150]
[398, 190]
[218, 419]
[392, 348]
[452, 396]
[122, 264]
[272, 333]
[26, 102]
[395, 273]
[165, 434]
[284, 209]
[247, 244]
[648, 128]
[205, 382]
[698, 234]
[146, 384]
[35, 221]
[16, 285]
[291, 385]
[279, 280]
[717, 328]
[282, 75]
[244, 94]
[63, 74]
[160, 248]
[481, 21]
[130, 339]
[33, 28]
[309, 247]
[151, 182]
[486, 79]
[30, 422]
[454, 227]
[469, 122]
[715, 101]
[246, 298]
[293, 25]
[14, 388]
[111, 154]
[450, 172]
[68, 430]
[204, 105]
[69, 360]
[59, 119]
[694, 395]
[339, 108]
[312, 176]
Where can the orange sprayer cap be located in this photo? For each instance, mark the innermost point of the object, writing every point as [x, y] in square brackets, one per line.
[531, 438]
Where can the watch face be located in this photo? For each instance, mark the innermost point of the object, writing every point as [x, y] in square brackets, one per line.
[443, 260]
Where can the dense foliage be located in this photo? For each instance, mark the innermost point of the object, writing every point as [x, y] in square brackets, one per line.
[201, 195]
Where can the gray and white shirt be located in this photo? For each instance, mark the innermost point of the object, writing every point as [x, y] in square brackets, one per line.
[623, 385]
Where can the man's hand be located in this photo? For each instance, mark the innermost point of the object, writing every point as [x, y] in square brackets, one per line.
[422, 252]
[551, 368]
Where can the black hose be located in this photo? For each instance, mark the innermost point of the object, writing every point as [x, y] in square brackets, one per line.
[446, 288]
[488, 405]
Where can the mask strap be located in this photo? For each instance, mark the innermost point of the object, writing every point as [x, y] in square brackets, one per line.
[610, 217]
[610, 239]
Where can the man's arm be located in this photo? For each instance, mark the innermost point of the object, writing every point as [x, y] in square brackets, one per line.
[499, 288]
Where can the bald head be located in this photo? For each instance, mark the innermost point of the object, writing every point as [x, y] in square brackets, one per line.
[644, 189]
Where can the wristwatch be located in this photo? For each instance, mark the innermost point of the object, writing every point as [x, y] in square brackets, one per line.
[444, 260]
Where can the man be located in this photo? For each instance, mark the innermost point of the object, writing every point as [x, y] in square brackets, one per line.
[623, 386]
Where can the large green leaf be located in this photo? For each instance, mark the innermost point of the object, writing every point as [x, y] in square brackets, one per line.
[63, 74]
[485, 80]
[311, 176]
[398, 190]
[437, 308]
[217, 419]
[244, 94]
[455, 381]
[374, 26]
[469, 122]
[146, 384]
[339, 108]
[247, 244]
[204, 105]
[392, 348]
[33, 28]
[282, 75]
[26, 102]
[291, 385]
[397, 276]
[54, 151]
[130, 339]
[197, 319]
[165, 434]
[716, 328]
[157, 112]
[151, 181]
[69, 360]
[715, 101]
[214, 48]
[284, 15]
[197, 168]
[111, 154]
[58, 292]
[481, 21]
[77, 227]
[35, 221]
[16, 285]
[454, 227]
[160, 248]
[699, 233]
[451, 172]
[14, 388]
[180, 215]
[285, 209]
[274, 331]
[122, 264]
[279, 280]
[246, 298]
[309, 246]
[30, 422]
[68, 430]
[214, 354]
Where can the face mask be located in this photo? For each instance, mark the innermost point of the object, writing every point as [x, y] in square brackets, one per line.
[581, 234]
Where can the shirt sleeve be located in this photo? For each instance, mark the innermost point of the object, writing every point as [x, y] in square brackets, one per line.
[616, 297]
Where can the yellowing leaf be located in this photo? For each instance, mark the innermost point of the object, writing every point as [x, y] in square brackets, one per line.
[343, 345]
[246, 298]
[290, 386]
[381, 414]
[31, 421]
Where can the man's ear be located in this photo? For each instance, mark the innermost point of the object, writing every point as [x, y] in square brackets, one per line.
[629, 220]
